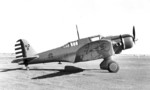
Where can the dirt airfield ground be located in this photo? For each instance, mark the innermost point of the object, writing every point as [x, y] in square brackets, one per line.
[134, 74]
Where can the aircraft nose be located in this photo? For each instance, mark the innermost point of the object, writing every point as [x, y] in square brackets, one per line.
[128, 42]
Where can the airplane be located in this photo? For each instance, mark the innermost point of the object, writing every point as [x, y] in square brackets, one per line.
[81, 50]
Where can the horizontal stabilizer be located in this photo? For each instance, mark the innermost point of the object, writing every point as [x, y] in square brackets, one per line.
[22, 59]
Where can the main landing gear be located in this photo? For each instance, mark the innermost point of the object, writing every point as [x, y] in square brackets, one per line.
[108, 64]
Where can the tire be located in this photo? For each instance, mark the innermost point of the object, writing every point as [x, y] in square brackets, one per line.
[113, 67]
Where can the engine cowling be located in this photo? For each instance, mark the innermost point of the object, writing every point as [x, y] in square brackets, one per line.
[127, 42]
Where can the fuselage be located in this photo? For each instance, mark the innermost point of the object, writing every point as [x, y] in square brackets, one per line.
[65, 53]
[85, 49]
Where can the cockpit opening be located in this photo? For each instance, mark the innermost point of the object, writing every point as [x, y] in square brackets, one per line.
[71, 44]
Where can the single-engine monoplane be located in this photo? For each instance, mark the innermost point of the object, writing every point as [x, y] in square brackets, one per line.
[83, 49]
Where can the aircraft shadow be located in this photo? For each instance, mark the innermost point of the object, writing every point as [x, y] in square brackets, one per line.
[19, 69]
[66, 71]
[14, 69]
[59, 72]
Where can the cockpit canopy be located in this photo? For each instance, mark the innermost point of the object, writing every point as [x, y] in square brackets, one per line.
[71, 44]
[82, 41]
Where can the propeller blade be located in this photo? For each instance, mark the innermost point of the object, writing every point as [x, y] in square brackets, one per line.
[134, 34]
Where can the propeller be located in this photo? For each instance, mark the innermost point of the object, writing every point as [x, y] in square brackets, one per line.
[134, 35]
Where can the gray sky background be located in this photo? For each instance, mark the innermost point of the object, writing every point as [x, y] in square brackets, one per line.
[48, 24]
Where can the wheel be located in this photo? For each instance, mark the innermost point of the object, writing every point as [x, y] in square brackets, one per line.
[113, 67]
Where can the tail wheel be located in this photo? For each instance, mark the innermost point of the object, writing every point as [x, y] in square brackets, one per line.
[113, 67]
[26, 64]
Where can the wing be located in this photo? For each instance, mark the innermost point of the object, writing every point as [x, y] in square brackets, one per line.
[21, 60]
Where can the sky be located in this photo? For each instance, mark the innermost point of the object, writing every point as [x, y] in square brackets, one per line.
[47, 24]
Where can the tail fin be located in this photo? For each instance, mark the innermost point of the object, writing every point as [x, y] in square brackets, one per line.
[23, 50]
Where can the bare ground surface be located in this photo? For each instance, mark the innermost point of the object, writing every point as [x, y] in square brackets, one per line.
[134, 74]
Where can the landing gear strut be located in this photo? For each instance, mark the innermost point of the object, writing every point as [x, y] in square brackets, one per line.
[108, 64]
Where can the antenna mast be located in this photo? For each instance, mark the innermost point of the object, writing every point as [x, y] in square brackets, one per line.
[77, 32]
